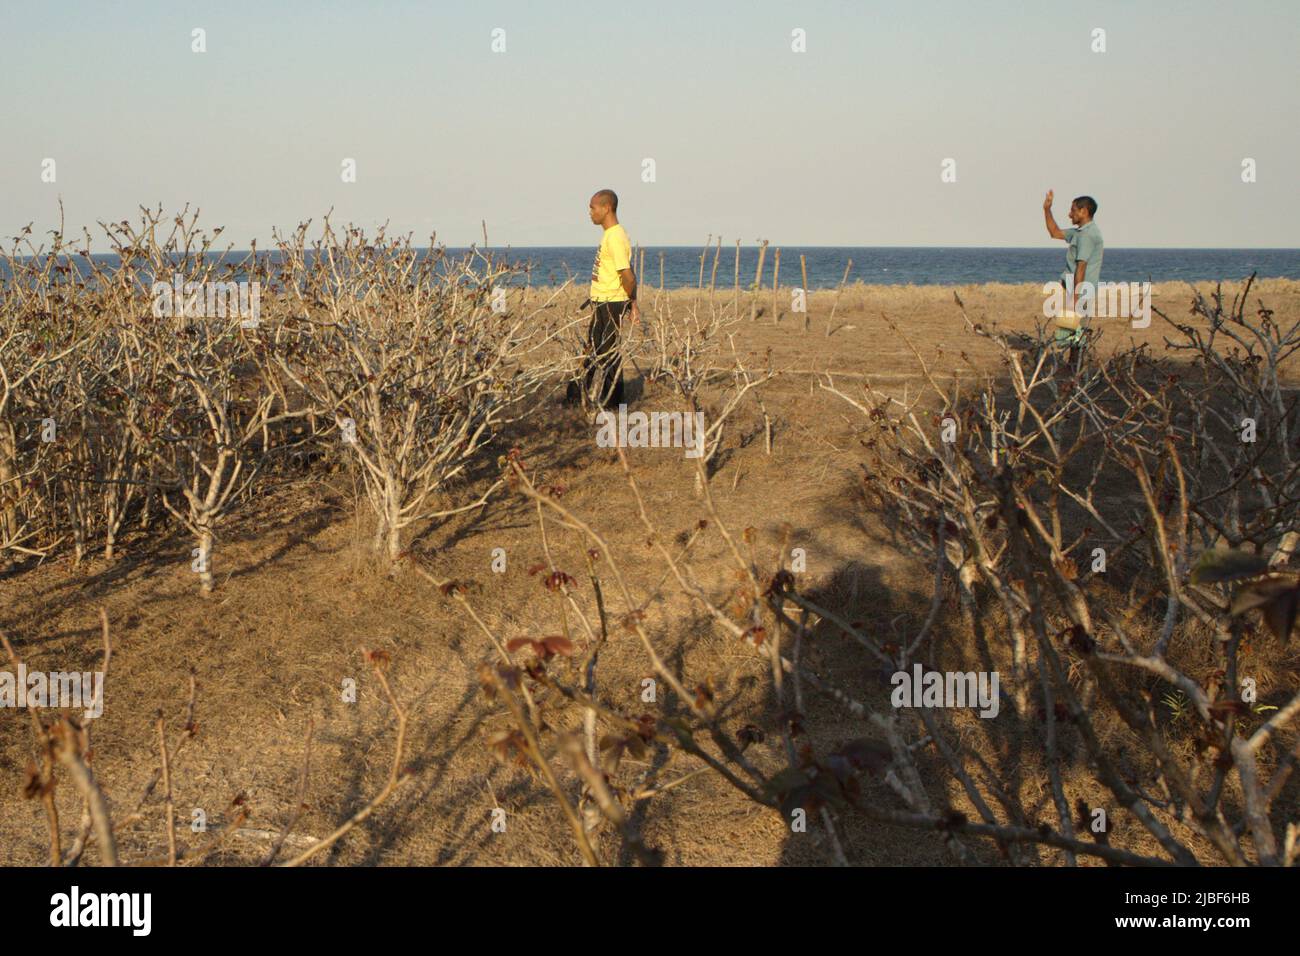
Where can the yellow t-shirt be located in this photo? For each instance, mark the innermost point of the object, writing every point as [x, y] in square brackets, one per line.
[614, 255]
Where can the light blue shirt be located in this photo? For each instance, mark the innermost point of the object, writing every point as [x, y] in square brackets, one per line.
[1084, 244]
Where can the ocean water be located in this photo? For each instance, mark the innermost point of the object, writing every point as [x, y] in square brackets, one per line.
[884, 265]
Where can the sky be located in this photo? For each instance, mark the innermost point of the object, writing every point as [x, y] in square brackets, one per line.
[844, 143]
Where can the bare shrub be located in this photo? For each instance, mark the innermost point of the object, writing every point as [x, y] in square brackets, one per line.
[694, 354]
[1007, 492]
[40, 328]
[412, 363]
[182, 405]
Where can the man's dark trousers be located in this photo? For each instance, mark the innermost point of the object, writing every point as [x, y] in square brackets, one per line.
[603, 375]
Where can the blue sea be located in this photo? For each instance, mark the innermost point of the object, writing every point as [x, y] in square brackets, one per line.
[903, 265]
[886, 265]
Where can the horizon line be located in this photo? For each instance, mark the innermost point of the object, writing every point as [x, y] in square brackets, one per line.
[793, 245]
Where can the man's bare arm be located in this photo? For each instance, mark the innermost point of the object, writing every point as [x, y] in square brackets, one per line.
[1053, 229]
[628, 278]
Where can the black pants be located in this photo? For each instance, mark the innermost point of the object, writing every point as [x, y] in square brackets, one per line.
[602, 377]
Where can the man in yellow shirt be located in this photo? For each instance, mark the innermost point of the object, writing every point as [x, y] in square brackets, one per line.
[613, 295]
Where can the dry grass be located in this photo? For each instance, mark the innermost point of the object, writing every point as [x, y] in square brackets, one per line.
[298, 592]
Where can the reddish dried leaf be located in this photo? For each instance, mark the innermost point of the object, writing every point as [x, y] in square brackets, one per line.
[557, 644]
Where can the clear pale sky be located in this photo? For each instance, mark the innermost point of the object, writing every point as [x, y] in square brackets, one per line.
[840, 145]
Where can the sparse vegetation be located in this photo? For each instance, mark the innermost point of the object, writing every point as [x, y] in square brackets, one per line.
[1106, 539]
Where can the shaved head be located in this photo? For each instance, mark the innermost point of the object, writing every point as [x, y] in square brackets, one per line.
[606, 197]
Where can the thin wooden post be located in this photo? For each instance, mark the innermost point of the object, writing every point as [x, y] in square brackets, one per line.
[736, 300]
[661, 281]
[776, 280]
[838, 291]
[803, 269]
[713, 279]
[699, 284]
[758, 281]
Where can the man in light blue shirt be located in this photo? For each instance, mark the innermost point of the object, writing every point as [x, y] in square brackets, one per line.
[1083, 256]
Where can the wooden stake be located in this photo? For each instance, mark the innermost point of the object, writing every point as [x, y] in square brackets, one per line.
[776, 281]
[713, 279]
[803, 268]
[758, 281]
[736, 302]
[838, 291]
